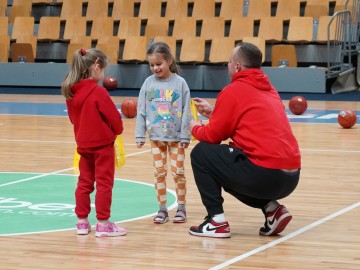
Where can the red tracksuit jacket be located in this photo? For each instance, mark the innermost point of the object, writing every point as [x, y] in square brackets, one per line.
[94, 115]
[250, 112]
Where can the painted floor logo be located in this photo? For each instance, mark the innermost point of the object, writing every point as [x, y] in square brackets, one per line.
[32, 203]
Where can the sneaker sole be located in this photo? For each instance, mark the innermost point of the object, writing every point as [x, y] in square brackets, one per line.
[82, 232]
[161, 221]
[110, 234]
[179, 221]
[217, 235]
[280, 227]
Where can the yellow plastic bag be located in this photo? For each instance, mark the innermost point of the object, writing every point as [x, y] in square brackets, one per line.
[195, 115]
[76, 159]
[120, 156]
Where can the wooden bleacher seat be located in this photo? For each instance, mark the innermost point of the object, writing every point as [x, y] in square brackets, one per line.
[300, 30]
[241, 27]
[20, 8]
[77, 42]
[97, 9]
[71, 9]
[322, 34]
[4, 24]
[212, 27]
[123, 9]
[49, 28]
[316, 11]
[102, 27]
[42, 2]
[176, 9]
[3, 8]
[23, 26]
[203, 9]
[4, 39]
[153, 30]
[22, 50]
[286, 9]
[259, 42]
[61, 1]
[29, 39]
[283, 55]
[170, 41]
[150, 8]
[184, 27]
[231, 9]
[4, 48]
[192, 50]
[220, 49]
[84, 41]
[340, 5]
[135, 49]
[129, 27]
[110, 46]
[158, 21]
[258, 9]
[75, 26]
[318, 2]
[271, 29]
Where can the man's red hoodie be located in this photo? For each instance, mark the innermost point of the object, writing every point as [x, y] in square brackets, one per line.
[250, 112]
[94, 115]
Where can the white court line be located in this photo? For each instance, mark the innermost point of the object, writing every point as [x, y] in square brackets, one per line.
[287, 237]
[56, 172]
[35, 141]
[40, 141]
[35, 177]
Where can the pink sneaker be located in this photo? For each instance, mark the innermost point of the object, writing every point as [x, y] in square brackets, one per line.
[110, 229]
[83, 227]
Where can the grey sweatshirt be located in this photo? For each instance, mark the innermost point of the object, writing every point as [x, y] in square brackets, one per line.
[164, 110]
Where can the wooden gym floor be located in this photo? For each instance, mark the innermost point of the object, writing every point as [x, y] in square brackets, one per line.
[324, 232]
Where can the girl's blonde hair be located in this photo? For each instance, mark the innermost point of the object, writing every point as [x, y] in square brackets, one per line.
[164, 49]
[81, 67]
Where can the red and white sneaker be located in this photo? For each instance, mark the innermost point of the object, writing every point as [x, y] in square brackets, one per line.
[276, 221]
[83, 228]
[210, 228]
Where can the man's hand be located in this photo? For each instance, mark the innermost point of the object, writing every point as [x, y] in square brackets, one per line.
[204, 108]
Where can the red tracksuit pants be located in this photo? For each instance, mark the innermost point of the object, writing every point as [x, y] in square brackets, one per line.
[95, 165]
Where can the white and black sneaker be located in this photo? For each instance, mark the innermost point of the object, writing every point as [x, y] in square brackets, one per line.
[210, 228]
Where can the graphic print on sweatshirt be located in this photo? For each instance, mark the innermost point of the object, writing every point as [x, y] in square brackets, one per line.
[164, 109]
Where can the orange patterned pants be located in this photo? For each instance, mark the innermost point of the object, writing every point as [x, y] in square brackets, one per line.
[160, 150]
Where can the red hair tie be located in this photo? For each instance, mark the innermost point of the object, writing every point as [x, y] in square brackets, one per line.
[83, 52]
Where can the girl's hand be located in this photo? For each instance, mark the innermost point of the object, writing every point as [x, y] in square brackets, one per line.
[140, 144]
[184, 145]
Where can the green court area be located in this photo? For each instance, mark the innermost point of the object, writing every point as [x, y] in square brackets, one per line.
[32, 203]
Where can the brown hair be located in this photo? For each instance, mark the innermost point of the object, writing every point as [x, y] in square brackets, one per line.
[164, 49]
[80, 68]
[249, 55]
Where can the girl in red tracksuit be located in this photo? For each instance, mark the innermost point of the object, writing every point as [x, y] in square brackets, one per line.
[96, 123]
